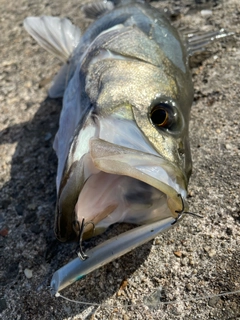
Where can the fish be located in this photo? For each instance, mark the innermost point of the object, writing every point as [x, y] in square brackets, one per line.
[123, 139]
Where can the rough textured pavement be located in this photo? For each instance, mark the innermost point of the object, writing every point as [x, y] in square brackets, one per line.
[199, 258]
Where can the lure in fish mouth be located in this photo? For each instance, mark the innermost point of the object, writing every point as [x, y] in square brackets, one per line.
[122, 144]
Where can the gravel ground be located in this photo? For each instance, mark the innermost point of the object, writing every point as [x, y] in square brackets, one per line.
[164, 278]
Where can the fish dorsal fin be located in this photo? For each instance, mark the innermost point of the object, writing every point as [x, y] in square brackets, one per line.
[96, 9]
[197, 41]
[57, 35]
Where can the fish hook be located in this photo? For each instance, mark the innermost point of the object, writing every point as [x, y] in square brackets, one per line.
[81, 253]
[181, 212]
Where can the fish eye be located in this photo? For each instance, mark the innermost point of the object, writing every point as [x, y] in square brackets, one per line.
[160, 115]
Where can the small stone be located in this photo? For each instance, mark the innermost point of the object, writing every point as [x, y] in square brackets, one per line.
[191, 262]
[228, 146]
[206, 13]
[188, 287]
[32, 206]
[28, 273]
[28, 84]
[185, 261]
[191, 193]
[123, 284]
[213, 301]
[4, 232]
[116, 264]
[212, 253]
[178, 254]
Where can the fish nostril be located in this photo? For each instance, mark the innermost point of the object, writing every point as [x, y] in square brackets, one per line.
[181, 152]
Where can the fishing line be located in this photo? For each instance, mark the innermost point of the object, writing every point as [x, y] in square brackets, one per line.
[181, 212]
[58, 295]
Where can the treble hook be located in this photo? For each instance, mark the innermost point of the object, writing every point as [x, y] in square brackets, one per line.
[181, 212]
[81, 253]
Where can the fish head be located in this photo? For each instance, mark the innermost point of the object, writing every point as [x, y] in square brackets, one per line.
[130, 158]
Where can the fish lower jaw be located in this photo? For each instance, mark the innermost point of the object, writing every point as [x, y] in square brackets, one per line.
[108, 198]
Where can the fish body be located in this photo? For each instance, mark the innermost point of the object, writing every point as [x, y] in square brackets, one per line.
[122, 144]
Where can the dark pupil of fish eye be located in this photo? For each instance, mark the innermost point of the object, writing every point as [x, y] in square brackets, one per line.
[159, 116]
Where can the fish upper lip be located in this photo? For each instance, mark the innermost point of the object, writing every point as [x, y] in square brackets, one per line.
[104, 154]
[154, 171]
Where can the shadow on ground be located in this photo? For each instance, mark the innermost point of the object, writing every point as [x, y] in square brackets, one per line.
[27, 204]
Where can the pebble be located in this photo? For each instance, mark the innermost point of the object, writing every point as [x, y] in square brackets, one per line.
[32, 206]
[185, 261]
[213, 301]
[28, 273]
[228, 146]
[206, 13]
[28, 84]
[4, 232]
[212, 253]
[191, 262]
[178, 254]
[188, 287]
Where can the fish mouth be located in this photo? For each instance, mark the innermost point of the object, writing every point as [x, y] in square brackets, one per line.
[119, 183]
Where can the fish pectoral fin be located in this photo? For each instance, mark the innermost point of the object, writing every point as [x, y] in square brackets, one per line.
[57, 35]
[60, 82]
[95, 9]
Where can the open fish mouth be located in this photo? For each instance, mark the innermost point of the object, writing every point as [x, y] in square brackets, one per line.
[115, 180]
[121, 183]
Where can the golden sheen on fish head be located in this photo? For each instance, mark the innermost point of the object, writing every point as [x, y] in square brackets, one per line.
[138, 80]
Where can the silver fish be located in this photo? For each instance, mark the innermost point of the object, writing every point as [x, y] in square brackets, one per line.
[123, 143]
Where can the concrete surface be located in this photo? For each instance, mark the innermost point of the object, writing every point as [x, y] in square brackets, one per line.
[139, 285]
